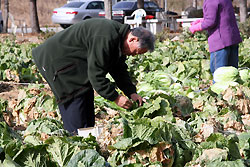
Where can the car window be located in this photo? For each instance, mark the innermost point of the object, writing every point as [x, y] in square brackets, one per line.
[74, 5]
[101, 4]
[95, 5]
[127, 5]
[150, 5]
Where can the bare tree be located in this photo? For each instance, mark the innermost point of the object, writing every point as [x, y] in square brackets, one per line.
[108, 9]
[5, 16]
[243, 10]
[34, 17]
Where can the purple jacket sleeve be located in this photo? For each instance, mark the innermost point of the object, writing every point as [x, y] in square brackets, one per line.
[210, 13]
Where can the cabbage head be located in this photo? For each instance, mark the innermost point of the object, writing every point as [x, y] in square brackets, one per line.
[183, 106]
[144, 87]
[244, 75]
[226, 74]
[219, 87]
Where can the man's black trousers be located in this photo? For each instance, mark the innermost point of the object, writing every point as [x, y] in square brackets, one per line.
[78, 113]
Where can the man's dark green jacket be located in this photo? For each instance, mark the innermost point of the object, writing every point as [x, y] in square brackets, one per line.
[78, 59]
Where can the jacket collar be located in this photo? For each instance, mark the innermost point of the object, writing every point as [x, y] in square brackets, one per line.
[124, 29]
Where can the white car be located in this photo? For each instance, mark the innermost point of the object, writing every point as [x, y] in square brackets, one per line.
[75, 12]
[1, 21]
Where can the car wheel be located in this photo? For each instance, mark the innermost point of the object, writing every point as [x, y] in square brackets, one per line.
[64, 26]
[86, 18]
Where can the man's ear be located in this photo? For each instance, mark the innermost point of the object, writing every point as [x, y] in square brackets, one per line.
[134, 39]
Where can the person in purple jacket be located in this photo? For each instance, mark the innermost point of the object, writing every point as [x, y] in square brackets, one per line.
[223, 33]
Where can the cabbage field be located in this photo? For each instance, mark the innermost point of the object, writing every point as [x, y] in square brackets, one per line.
[186, 122]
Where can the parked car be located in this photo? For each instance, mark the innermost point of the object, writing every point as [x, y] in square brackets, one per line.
[1, 21]
[126, 8]
[74, 12]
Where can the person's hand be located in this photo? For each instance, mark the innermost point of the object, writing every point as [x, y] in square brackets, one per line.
[195, 27]
[123, 102]
[135, 97]
[197, 21]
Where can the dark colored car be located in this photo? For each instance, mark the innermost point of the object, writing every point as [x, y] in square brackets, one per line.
[126, 8]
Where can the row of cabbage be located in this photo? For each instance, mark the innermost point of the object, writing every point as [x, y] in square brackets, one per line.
[184, 122]
[16, 62]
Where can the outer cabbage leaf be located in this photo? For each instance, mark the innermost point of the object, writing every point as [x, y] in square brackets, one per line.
[237, 163]
[61, 150]
[244, 75]
[219, 87]
[33, 156]
[88, 158]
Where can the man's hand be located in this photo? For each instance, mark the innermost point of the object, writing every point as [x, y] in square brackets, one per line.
[135, 97]
[123, 102]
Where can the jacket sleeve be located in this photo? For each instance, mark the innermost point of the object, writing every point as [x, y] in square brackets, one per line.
[121, 76]
[99, 59]
[210, 14]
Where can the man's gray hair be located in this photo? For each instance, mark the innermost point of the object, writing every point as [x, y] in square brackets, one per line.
[146, 38]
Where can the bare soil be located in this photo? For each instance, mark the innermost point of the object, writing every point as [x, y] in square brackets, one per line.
[8, 91]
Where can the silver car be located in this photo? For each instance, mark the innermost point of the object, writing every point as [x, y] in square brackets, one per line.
[75, 12]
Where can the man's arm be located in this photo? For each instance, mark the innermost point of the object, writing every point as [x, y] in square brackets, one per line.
[99, 59]
[123, 81]
[121, 76]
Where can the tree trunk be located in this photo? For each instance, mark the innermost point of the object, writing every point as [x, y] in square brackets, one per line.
[140, 4]
[108, 9]
[243, 10]
[5, 16]
[34, 17]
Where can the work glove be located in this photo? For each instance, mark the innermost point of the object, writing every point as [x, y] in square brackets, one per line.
[195, 27]
[197, 21]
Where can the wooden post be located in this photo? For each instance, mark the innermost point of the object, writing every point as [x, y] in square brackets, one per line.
[108, 9]
[5, 16]
[195, 4]
[166, 6]
[140, 4]
[243, 10]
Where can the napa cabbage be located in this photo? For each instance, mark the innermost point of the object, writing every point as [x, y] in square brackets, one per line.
[226, 74]
[244, 75]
